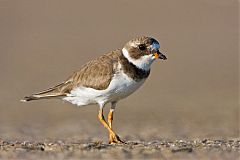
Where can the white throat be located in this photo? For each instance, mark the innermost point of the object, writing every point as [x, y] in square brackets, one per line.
[143, 63]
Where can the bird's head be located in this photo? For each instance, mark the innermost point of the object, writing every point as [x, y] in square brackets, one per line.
[142, 52]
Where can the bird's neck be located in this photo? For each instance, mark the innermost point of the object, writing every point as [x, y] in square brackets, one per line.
[143, 62]
[132, 70]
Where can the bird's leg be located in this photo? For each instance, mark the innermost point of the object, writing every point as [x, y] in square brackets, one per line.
[110, 119]
[110, 114]
[114, 137]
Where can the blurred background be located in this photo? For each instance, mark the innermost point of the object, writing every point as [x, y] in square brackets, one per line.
[194, 94]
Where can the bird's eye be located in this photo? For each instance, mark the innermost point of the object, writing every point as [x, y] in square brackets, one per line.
[142, 47]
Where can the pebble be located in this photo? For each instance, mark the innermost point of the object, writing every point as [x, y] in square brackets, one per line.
[173, 146]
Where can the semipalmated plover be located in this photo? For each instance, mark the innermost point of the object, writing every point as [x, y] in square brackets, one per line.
[108, 79]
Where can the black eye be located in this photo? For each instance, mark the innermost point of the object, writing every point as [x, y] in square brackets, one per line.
[142, 47]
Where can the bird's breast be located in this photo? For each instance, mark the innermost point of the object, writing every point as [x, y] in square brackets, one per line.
[122, 85]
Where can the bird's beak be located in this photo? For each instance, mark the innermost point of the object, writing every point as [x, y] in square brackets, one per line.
[159, 55]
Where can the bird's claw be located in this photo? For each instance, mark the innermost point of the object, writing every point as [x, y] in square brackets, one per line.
[115, 139]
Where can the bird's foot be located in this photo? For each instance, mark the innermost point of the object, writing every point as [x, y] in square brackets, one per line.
[115, 139]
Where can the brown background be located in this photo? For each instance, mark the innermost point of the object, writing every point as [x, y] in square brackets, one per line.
[193, 94]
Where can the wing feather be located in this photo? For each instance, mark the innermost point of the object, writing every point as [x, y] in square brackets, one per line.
[95, 74]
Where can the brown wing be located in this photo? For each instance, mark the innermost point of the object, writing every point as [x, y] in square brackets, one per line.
[96, 74]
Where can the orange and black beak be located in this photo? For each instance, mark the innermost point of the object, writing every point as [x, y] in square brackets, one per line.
[155, 51]
[159, 55]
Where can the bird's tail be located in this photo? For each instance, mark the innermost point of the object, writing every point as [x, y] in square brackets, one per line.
[38, 97]
[54, 92]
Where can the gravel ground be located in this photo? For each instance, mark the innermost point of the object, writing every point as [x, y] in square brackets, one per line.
[160, 149]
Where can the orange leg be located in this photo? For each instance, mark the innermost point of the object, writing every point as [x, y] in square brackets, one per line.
[110, 118]
[110, 114]
[113, 137]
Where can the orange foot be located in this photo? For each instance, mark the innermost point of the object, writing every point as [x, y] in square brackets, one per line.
[114, 139]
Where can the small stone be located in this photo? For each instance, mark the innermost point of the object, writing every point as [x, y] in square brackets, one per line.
[46, 148]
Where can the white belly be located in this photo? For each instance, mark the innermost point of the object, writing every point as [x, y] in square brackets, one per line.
[120, 87]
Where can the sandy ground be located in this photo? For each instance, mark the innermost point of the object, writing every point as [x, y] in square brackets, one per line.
[161, 149]
[192, 96]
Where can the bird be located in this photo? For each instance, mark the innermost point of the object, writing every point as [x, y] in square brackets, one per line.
[107, 79]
